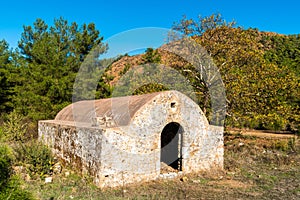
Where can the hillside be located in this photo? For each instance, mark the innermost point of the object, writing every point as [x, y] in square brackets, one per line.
[260, 71]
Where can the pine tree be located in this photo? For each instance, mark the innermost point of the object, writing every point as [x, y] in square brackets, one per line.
[51, 58]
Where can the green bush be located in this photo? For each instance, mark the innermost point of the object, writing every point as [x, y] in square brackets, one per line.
[125, 69]
[150, 88]
[2, 138]
[36, 157]
[5, 164]
[12, 190]
[10, 185]
[282, 145]
[14, 128]
[272, 121]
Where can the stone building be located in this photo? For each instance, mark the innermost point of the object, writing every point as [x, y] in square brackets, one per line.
[129, 139]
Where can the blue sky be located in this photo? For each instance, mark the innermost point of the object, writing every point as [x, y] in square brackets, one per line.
[112, 17]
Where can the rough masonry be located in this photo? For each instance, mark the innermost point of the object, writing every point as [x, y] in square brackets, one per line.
[128, 139]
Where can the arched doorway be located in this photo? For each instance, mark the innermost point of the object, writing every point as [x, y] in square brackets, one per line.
[171, 146]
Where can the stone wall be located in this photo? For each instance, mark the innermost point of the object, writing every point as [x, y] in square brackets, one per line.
[121, 155]
[79, 147]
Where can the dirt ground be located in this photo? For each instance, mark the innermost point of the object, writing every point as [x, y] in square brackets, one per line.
[262, 133]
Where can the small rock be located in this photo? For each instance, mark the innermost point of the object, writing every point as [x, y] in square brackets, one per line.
[18, 169]
[196, 181]
[241, 144]
[57, 168]
[230, 173]
[48, 179]
[27, 177]
[67, 173]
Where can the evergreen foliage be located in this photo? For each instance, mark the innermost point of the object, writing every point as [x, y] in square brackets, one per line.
[50, 59]
[6, 85]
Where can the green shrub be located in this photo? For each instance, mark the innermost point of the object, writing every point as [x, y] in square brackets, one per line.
[274, 121]
[14, 128]
[282, 145]
[36, 157]
[12, 190]
[125, 69]
[2, 138]
[285, 145]
[10, 185]
[5, 164]
[150, 88]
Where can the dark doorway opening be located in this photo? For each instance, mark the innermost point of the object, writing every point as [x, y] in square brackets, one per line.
[171, 146]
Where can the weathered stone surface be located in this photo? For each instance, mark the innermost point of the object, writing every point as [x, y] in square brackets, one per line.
[118, 140]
